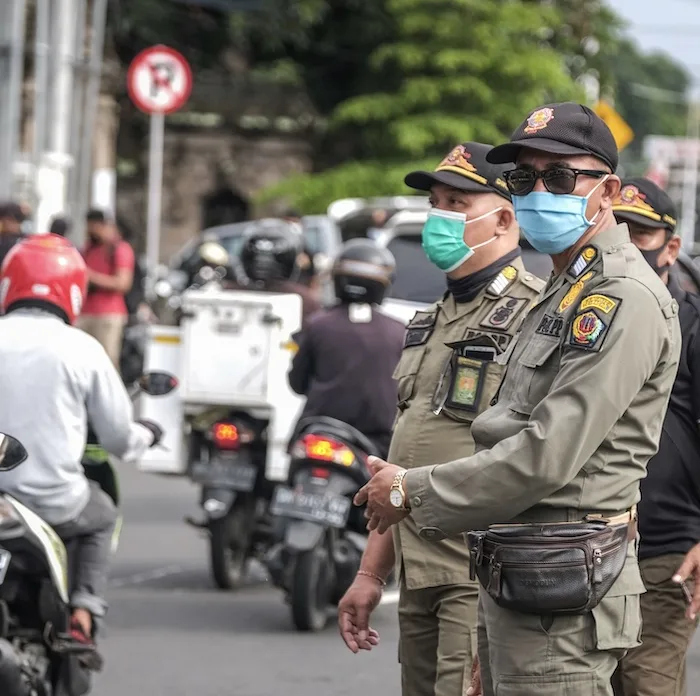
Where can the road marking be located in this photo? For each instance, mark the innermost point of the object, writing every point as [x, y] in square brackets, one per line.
[390, 597]
[140, 578]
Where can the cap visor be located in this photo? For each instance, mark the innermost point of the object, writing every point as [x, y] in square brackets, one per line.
[508, 152]
[640, 220]
[424, 181]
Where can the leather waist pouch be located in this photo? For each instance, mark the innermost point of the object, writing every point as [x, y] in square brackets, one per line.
[556, 568]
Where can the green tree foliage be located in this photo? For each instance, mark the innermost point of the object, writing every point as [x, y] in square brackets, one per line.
[448, 71]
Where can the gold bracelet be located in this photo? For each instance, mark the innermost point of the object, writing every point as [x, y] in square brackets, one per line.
[374, 576]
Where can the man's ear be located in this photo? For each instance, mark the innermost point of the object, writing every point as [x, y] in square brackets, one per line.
[672, 250]
[611, 188]
[506, 219]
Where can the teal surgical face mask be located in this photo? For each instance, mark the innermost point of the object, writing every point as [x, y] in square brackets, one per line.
[443, 238]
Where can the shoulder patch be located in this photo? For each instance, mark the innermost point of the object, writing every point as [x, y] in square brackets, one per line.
[504, 312]
[593, 319]
[502, 281]
[573, 293]
[583, 261]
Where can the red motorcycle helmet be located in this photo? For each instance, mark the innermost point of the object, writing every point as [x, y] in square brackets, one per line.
[44, 268]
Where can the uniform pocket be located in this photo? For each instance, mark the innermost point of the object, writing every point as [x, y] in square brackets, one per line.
[618, 623]
[533, 373]
[406, 372]
[576, 684]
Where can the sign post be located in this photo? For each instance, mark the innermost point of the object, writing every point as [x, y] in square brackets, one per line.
[159, 82]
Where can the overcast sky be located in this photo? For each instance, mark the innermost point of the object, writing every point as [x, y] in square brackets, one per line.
[669, 25]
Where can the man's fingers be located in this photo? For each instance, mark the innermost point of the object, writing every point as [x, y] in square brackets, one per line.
[362, 622]
[361, 496]
[347, 630]
[686, 569]
[383, 525]
[376, 464]
[373, 522]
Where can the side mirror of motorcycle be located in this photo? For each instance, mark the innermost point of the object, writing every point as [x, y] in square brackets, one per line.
[157, 383]
[12, 452]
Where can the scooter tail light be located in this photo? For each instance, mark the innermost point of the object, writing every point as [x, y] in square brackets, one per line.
[326, 449]
[230, 436]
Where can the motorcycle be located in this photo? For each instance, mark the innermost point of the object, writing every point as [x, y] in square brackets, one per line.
[324, 534]
[227, 458]
[37, 655]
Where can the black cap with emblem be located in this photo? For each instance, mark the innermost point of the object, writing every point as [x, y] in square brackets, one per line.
[560, 129]
[643, 203]
[465, 168]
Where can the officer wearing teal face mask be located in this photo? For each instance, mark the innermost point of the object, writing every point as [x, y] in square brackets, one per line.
[576, 418]
[447, 375]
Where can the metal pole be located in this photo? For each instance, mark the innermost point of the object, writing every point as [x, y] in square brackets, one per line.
[155, 190]
[41, 83]
[58, 160]
[84, 178]
[5, 40]
[690, 177]
[79, 78]
[13, 20]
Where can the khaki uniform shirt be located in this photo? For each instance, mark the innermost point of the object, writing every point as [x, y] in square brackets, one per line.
[446, 377]
[580, 409]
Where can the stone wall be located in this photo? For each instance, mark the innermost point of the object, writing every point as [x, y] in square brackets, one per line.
[197, 166]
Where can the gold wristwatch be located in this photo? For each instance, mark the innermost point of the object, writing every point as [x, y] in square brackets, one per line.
[397, 497]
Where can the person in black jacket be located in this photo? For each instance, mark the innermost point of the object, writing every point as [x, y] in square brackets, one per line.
[669, 511]
[347, 354]
[11, 218]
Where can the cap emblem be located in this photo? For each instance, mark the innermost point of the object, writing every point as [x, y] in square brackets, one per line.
[459, 157]
[539, 119]
[631, 196]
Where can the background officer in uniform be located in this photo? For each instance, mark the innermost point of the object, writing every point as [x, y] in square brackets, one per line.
[447, 375]
[669, 512]
[577, 417]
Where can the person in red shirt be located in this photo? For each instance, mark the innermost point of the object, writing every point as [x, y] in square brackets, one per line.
[110, 262]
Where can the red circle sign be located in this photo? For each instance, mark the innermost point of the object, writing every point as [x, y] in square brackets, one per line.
[159, 80]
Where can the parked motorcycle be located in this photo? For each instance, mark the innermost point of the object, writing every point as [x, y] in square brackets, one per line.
[324, 534]
[37, 655]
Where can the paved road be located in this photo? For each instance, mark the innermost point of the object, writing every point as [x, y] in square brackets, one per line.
[171, 634]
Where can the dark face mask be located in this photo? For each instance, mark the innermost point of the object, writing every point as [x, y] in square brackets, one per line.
[651, 256]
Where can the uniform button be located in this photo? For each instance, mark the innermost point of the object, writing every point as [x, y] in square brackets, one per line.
[429, 533]
[528, 277]
[416, 501]
[493, 401]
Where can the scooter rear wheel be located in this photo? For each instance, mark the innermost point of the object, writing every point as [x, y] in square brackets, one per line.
[228, 550]
[310, 593]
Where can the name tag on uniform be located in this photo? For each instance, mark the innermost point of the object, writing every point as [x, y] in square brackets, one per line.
[467, 382]
[550, 326]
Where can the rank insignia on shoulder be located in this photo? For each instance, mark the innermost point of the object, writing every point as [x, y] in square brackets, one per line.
[504, 312]
[583, 261]
[589, 328]
[574, 292]
[502, 281]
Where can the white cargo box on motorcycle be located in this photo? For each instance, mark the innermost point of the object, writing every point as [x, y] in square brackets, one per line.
[236, 347]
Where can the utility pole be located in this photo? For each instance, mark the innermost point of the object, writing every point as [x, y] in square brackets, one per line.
[58, 161]
[12, 20]
[690, 178]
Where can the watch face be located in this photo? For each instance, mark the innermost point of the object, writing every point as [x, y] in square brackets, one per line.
[396, 499]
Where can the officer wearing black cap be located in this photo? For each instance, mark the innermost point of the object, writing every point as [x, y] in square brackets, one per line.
[560, 454]
[447, 375]
[669, 512]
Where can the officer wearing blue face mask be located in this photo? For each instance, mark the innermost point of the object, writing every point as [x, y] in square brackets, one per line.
[560, 454]
[447, 375]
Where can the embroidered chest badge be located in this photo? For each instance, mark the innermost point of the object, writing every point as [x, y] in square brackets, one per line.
[539, 119]
[573, 293]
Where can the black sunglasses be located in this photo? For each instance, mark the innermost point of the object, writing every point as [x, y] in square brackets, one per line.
[560, 180]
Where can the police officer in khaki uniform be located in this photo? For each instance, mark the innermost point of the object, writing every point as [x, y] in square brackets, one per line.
[447, 375]
[575, 421]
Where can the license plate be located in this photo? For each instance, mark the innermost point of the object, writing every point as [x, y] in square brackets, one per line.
[332, 510]
[5, 557]
[226, 472]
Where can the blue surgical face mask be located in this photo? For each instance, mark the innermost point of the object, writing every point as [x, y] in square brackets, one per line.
[553, 222]
[443, 238]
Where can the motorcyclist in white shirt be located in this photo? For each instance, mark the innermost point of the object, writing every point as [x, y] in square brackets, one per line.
[53, 377]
